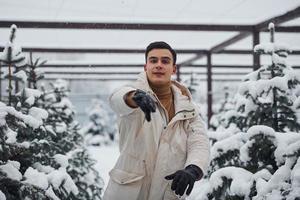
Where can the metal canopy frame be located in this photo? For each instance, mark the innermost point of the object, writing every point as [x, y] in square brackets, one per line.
[244, 31]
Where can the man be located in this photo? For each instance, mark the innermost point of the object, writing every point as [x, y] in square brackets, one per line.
[163, 144]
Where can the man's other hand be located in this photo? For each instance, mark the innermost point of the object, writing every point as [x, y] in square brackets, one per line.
[185, 178]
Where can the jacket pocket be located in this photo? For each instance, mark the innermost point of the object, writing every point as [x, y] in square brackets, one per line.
[123, 177]
[123, 185]
[128, 169]
[126, 179]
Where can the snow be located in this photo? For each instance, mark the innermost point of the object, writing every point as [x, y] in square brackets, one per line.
[50, 193]
[106, 157]
[270, 47]
[3, 114]
[32, 92]
[43, 168]
[2, 196]
[59, 178]
[295, 175]
[38, 113]
[271, 26]
[277, 181]
[21, 75]
[230, 143]
[11, 136]
[241, 180]
[11, 171]
[260, 129]
[34, 177]
[31, 121]
[62, 160]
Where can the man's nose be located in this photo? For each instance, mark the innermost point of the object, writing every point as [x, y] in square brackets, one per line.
[159, 64]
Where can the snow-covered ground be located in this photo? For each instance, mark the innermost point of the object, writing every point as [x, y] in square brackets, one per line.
[106, 157]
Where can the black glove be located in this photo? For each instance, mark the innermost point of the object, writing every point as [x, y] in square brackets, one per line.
[184, 178]
[145, 102]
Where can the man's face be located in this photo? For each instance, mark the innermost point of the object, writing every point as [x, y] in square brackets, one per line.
[159, 66]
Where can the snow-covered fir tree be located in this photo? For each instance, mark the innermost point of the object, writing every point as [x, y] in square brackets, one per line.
[267, 96]
[33, 71]
[258, 158]
[14, 59]
[193, 84]
[223, 108]
[70, 141]
[102, 126]
[35, 162]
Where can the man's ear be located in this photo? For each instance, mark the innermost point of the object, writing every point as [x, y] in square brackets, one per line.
[174, 69]
[145, 67]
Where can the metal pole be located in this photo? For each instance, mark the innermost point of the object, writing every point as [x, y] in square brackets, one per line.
[209, 88]
[0, 83]
[256, 57]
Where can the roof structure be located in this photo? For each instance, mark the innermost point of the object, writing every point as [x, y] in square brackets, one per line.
[109, 37]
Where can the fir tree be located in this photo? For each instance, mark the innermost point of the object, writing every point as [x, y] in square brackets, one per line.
[266, 97]
[13, 58]
[225, 106]
[101, 128]
[42, 155]
[70, 141]
[259, 160]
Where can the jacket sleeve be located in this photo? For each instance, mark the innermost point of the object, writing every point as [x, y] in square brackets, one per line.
[198, 147]
[117, 101]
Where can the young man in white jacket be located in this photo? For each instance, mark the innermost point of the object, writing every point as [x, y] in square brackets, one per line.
[163, 144]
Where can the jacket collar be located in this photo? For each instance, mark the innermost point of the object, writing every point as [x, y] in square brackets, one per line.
[182, 96]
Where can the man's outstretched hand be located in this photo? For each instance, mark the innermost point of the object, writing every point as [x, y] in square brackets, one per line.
[145, 102]
[185, 178]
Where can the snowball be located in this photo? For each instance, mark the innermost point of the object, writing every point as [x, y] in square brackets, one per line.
[62, 160]
[36, 178]
[11, 171]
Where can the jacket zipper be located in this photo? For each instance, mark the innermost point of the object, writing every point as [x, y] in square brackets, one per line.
[164, 114]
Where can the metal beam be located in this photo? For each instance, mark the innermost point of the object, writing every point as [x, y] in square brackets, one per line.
[132, 51]
[70, 65]
[125, 26]
[295, 13]
[136, 73]
[137, 26]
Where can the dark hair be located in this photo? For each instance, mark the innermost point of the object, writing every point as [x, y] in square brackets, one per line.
[160, 45]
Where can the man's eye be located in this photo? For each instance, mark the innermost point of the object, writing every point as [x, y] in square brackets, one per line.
[153, 61]
[165, 61]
